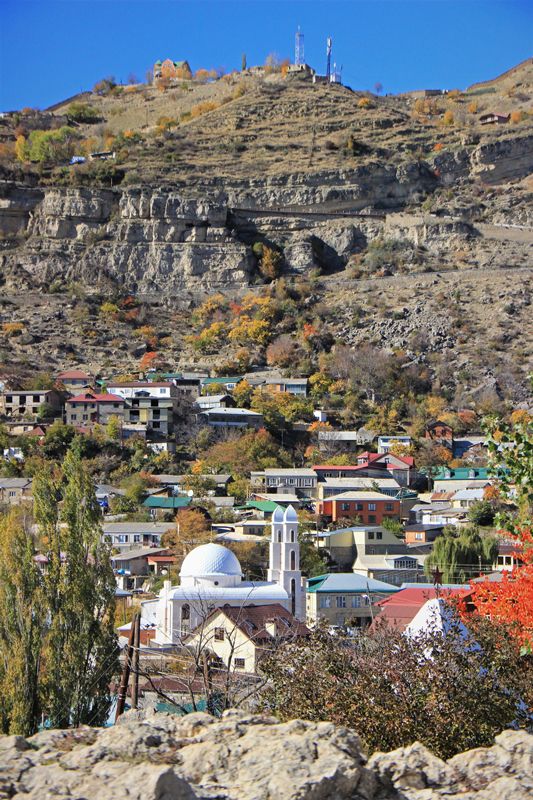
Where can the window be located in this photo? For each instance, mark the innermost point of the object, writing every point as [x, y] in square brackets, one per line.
[293, 560]
[292, 536]
[405, 563]
[279, 536]
[12, 494]
[73, 417]
[464, 503]
[156, 425]
[389, 506]
[358, 506]
[239, 663]
[36, 398]
[162, 391]
[123, 538]
[418, 536]
[379, 535]
[371, 506]
[219, 634]
[115, 405]
[325, 601]
[356, 601]
[136, 537]
[371, 519]
[345, 506]
[341, 602]
[85, 417]
[370, 534]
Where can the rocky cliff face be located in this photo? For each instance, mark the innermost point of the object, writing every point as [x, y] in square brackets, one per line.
[242, 757]
[159, 240]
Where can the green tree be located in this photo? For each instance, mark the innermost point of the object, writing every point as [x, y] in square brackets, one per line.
[311, 561]
[481, 513]
[463, 557]
[81, 112]
[79, 588]
[113, 428]
[243, 62]
[45, 411]
[22, 621]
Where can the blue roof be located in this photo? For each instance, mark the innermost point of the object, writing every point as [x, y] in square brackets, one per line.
[348, 582]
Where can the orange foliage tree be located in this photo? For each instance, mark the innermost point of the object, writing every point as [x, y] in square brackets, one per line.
[511, 600]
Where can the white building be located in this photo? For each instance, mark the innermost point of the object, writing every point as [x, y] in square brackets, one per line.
[211, 577]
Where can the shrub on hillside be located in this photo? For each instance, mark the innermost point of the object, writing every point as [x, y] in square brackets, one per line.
[81, 112]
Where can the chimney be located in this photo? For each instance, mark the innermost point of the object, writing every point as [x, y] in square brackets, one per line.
[271, 627]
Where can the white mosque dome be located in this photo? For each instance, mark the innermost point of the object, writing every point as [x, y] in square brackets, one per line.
[210, 560]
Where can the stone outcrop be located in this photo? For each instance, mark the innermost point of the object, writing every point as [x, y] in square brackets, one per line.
[243, 757]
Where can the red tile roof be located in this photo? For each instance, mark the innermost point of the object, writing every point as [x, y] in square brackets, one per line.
[73, 374]
[401, 608]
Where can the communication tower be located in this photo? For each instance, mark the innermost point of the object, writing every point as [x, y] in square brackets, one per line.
[299, 56]
[328, 67]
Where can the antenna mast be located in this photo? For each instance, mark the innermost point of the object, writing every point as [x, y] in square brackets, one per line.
[328, 67]
[299, 56]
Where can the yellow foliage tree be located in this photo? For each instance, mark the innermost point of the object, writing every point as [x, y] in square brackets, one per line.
[22, 149]
[448, 118]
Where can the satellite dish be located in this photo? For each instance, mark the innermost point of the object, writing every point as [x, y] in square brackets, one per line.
[190, 493]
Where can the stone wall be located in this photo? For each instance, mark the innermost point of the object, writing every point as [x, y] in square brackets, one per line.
[158, 756]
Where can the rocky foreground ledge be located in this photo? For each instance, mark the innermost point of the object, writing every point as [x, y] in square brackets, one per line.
[243, 757]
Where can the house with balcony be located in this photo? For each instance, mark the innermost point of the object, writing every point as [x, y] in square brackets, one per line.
[299, 481]
[393, 569]
[148, 413]
[333, 486]
[132, 535]
[89, 409]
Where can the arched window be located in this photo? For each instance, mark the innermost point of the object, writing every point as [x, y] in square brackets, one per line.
[279, 536]
[293, 596]
[292, 536]
[293, 559]
[185, 617]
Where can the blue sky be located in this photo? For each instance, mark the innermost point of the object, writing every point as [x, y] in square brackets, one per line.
[51, 49]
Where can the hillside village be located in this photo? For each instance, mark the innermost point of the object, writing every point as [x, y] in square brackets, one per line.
[287, 381]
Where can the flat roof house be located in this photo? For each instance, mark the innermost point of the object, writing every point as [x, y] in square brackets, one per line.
[371, 507]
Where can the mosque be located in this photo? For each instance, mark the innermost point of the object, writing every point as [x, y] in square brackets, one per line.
[211, 577]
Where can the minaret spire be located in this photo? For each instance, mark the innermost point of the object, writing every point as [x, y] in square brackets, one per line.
[284, 566]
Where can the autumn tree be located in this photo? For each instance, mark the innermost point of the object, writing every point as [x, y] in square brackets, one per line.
[22, 628]
[132, 78]
[79, 595]
[191, 529]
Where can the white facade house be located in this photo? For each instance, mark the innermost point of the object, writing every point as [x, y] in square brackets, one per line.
[211, 577]
[165, 389]
[386, 442]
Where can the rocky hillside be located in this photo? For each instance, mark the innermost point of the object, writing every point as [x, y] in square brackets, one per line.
[416, 227]
[242, 757]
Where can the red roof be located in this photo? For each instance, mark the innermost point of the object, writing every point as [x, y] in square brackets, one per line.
[100, 398]
[401, 608]
[73, 374]
[39, 431]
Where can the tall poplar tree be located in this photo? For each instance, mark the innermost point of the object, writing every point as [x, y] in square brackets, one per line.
[79, 589]
[22, 620]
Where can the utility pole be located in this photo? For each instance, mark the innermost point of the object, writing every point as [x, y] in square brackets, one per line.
[122, 692]
[135, 663]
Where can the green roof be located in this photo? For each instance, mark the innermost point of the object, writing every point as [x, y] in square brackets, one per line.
[157, 63]
[166, 502]
[179, 64]
[461, 474]
[208, 381]
[262, 505]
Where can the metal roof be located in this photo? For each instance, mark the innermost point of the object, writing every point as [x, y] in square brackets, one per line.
[348, 582]
[136, 527]
[166, 502]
